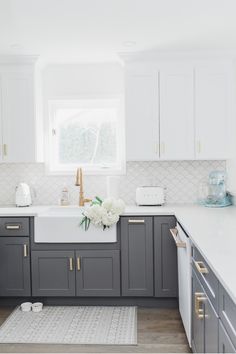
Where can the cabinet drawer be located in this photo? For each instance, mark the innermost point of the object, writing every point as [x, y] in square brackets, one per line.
[227, 313]
[14, 227]
[207, 277]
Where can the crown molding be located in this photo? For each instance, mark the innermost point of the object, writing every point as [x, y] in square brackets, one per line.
[154, 55]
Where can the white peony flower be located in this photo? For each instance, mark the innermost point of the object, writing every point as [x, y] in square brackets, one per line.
[115, 206]
[110, 219]
[95, 213]
[108, 204]
[106, 214]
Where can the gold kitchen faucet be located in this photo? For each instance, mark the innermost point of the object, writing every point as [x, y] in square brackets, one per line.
[79, 183]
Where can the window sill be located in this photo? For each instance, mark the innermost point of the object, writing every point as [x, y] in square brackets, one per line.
[88, 172]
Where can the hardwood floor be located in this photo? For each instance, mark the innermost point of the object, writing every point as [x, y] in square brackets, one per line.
[159, 331]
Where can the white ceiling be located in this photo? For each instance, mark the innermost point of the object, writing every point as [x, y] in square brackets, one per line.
[95, 30]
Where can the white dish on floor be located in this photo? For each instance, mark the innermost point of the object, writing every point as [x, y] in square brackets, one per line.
[37, 307]
[26, 306]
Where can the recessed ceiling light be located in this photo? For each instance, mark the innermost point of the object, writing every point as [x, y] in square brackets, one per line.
[129, 44]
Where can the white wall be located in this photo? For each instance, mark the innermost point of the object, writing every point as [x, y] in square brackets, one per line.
[73, 80]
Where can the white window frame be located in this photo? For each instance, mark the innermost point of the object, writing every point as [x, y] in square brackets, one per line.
[119, 169]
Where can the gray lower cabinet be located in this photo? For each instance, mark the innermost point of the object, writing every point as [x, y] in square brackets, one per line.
[14, 266]
[137, 256]
[53, 273]
[204, 320]
[76, 273]
[225, 344]
[197, 322]
[227, 313]
[211, 327]
[98, 273]
[165, 258]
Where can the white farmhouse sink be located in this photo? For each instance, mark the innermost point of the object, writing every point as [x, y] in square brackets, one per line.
[62, 225]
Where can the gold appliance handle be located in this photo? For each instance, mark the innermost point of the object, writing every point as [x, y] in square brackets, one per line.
[178, 242]
[201, 267]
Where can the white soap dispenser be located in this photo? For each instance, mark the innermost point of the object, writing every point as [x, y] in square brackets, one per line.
[64, 200]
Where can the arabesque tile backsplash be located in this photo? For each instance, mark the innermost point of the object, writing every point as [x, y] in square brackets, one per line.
[181, 179]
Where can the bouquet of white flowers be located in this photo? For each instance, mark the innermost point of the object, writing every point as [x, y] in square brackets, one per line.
[103, 213]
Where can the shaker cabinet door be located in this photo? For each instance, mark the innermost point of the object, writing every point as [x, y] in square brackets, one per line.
[142, 114]
[1, 118]
[18, 117]
[165, 258]
[204, 320]
[211, 328]
[198, 331]
[137, 256]
[225, 344]
[212, 111]
[98, 273]
[14, 266]
[53, 273]
[176, 113]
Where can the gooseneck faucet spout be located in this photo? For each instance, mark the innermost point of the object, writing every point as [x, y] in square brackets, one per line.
[79, 183]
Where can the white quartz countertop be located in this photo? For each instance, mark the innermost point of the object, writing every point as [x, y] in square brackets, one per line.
[212, 230]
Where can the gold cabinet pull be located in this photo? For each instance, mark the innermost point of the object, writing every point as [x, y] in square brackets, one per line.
[4, 149]
[178, 242]
[12, 227]
[71, 263]
[201, 267]
[25, 250]
[199, 299]
[78, 263]
[136, 221]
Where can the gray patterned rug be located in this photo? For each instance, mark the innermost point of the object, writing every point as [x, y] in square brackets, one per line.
[72, 325]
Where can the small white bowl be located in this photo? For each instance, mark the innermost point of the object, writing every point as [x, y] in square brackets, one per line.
[37, 307]
[26, 306]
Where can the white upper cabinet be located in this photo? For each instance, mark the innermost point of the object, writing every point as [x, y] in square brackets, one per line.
[142, 111]
[179, 110]
[18, 133]
[176, 113]
[212, 110]
[1, 109]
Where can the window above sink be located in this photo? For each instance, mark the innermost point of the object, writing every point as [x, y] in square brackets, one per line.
[87, 132]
